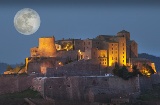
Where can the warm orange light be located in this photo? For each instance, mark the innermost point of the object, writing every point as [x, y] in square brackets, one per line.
[60, 63]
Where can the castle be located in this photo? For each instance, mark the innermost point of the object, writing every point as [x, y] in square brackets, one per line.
[108, 49]
[73, 69]
[105, 50]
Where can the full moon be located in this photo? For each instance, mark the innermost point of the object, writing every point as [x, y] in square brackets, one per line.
[27, 21]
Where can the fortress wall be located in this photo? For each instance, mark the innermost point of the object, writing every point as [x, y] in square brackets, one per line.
[145, 83]
[88, 88]
[80, 68]
[155, 79]
[55, 88]
[36, 64]
[71, 54]
[11, 83]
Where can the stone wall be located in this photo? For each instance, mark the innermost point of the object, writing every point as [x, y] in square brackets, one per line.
[79, 68]
[14, 83]
[145, 83]
[35, 64]
[155, 78]
[87, 88]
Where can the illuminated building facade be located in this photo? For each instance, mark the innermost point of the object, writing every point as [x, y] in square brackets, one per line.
[109, 49]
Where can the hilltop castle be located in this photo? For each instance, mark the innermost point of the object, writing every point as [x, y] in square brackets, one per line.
[73, 56]
[108, 49]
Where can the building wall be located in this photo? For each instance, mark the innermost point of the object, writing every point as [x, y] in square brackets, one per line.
[132, 50]
[113, 51]
[140, 61]
[78, 45]
[34, 52]
[125, 34]
[37, 64]
[122, 50]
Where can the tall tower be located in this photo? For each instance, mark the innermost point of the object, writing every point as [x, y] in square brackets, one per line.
[47, 47]
[125, 34]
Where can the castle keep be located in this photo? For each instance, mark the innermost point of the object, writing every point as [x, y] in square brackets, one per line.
[46, 48]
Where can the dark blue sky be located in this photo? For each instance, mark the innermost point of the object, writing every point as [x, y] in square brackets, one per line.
[80, 19]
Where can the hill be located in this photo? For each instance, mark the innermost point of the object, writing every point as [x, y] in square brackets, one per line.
[3, 67]
[153, 58]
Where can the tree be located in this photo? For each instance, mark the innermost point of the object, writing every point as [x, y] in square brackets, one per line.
[116, 68]
[121, 72]
[147, 70]
[135, 71]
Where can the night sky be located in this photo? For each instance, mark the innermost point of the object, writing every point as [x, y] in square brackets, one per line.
[80, 19]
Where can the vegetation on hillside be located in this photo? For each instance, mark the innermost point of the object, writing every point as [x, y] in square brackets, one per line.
[29, 93]
[16, 69]
[154, 59]
[125, 74]
[17, 98]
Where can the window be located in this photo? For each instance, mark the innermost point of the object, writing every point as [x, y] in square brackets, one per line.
[84, 43]
[112, 58]
[88, 43]
[112, 48]
[123, 48]
[112, 44]
[123, 52]
[112, 52]
[123, 56]
[123, 60]
[123, 44]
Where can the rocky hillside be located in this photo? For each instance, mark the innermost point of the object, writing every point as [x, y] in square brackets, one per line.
[153, 58]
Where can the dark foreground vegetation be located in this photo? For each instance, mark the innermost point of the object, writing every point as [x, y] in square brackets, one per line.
[17, 98]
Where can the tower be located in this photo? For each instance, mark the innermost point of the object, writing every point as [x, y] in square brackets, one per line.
[125, 34]
[47, 47]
